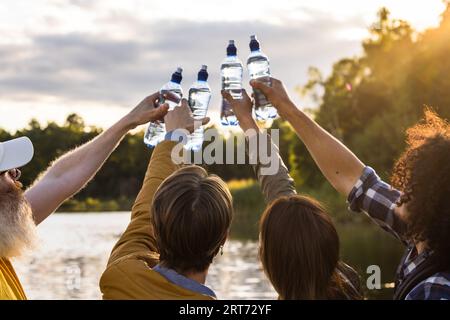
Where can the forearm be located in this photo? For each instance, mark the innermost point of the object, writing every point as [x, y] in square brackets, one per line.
[73, 171]
[337, 163]
[77, 167]
[277, 182]
[248, 125]
[273, 177]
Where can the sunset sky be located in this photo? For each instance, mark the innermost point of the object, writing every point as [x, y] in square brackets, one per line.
[99, 58]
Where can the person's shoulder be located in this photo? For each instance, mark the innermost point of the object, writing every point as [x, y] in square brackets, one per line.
[132, 263]
[128, 277]
[436, 287]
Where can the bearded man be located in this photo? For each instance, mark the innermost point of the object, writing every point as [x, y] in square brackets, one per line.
[21, 212]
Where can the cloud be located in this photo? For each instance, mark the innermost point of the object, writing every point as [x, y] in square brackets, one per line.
[97, 67]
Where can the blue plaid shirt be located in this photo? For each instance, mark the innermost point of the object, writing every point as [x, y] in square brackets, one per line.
[378, 200]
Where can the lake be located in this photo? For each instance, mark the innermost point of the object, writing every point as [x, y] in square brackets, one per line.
[74, 248]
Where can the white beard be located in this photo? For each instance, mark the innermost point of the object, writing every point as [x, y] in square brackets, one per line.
[17, 227]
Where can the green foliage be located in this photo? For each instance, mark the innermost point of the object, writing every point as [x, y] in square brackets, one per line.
[97, 205]
[249, 204]
[368, 101]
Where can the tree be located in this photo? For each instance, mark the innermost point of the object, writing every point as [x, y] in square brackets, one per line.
[368, 101]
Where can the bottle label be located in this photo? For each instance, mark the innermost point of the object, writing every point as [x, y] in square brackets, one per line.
[170, 97]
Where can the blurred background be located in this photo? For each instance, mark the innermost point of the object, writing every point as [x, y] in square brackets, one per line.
[70, 68]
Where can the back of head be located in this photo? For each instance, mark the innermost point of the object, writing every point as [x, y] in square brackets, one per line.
[422, 173]
[192, 213]
[299, 249]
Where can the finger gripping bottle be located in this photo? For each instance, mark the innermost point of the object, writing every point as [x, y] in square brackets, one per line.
[157, 130]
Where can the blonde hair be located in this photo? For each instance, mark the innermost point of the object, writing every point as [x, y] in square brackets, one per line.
[17, 227]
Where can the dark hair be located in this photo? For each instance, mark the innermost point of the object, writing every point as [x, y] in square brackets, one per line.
[299, 251]
[192, 213]
[422, 173]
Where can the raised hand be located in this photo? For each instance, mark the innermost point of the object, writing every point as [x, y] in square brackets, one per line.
[277, 95]
[181, 118]
[242, 109]
[147, 110]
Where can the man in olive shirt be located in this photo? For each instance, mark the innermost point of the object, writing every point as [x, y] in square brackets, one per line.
[135, 270]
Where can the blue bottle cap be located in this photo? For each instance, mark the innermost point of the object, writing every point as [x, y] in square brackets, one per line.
[231, 49]
[203, 73]
[254, 44]
[176, 76]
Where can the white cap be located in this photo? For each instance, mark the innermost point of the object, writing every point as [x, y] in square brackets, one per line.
[15, 153]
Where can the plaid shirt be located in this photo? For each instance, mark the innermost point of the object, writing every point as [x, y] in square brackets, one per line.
[378, 200]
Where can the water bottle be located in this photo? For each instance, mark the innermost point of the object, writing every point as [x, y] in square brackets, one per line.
[231, 72]
[258, 68]
[157, 130]
[199, 98]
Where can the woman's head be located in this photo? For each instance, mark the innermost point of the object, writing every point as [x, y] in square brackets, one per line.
[422, 173]
[192, 213]
[299, 248]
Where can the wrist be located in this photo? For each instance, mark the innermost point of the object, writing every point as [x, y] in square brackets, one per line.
[247, 123]
[127, 123]
[122, 127]
[289, 110]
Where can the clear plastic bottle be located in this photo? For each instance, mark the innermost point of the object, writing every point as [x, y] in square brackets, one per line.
[258, 68]
[157, 130]
[231, 72]
[199, 98]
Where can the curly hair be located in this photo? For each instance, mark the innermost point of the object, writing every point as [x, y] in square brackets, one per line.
[422, 173]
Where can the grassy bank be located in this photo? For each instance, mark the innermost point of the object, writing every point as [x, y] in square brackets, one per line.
[96, 205]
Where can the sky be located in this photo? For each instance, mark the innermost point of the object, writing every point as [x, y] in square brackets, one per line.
[99, 58]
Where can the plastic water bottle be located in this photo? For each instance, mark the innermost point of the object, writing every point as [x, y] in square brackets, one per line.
[231, 71]
[157, 130]
[258, 68]
[199, 98]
